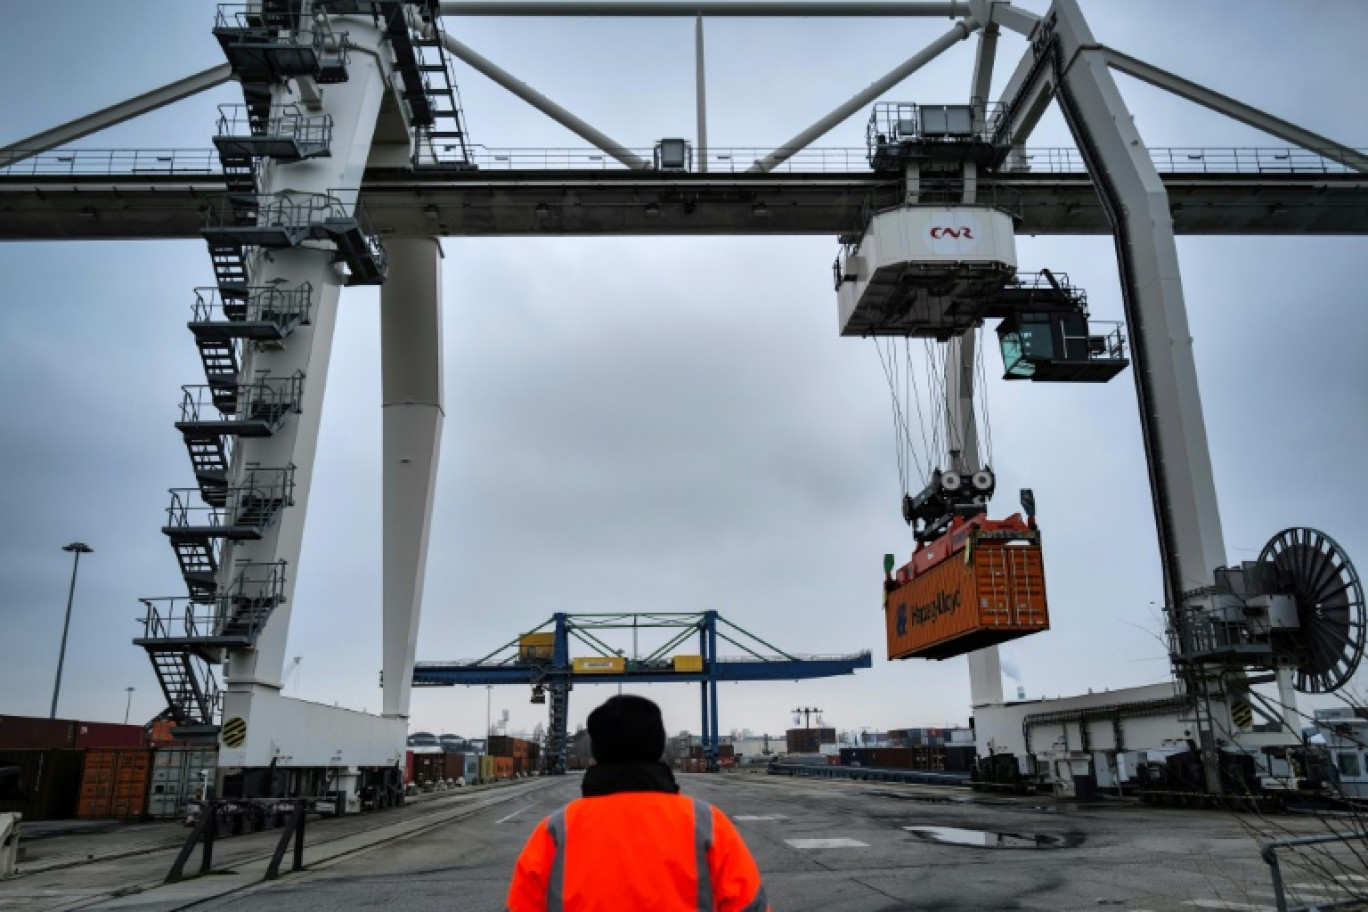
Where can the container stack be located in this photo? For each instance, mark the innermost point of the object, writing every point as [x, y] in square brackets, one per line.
[809, 740]
[524, 756]
[65, 768]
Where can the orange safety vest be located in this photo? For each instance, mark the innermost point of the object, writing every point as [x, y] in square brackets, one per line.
[636, 852]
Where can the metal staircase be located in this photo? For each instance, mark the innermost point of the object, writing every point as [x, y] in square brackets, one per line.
[266, 43]
[413, 29]
[185, 636]
[286, 220]
[192, 695]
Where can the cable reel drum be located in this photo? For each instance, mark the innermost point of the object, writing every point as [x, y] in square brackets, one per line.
[1311, 569]
[1300, 606]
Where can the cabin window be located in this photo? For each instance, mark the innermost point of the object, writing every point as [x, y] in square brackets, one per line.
[1349, 764]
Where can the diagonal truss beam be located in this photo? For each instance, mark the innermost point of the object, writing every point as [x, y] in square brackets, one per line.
[1237, 110]
[115, 114]
[542, 103]
[958, 33]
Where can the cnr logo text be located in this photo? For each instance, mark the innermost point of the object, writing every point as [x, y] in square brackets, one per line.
[939, 232]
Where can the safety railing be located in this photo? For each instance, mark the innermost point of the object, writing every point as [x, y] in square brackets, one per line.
[246, 604]
[753, 659]
[254, 26]
[109, 162]
[284, 122]
[263, 304]
[267, 399]
[736, 160]
[284, 210]
[1349, 887]
[255, 502]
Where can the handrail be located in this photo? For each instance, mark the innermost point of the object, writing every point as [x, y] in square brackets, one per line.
[263, 303]
[1175, 160]
[1268, 852]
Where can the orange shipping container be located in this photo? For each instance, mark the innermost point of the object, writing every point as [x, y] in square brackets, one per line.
[990, 591]
[114, 783]
[503, 767]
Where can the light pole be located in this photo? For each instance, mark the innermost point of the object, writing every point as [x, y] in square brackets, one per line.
[77, 548]
[489, 702]
[129, 704]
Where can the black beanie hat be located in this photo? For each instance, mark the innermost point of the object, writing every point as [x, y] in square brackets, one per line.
[627, 729]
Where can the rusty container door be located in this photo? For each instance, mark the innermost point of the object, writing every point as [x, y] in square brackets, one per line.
[990, 594]
[114, 783]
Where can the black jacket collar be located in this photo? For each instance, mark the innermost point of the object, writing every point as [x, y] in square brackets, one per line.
[612, 778]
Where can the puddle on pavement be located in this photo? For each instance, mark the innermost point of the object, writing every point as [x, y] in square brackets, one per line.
[987, 839]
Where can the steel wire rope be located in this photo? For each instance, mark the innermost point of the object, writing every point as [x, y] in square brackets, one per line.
[921, 420]
[935, 367]
[902, 440]
[981, 379]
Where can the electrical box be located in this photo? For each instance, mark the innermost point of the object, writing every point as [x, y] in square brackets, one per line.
[692, 664]
[1281, 611]
[672, 155]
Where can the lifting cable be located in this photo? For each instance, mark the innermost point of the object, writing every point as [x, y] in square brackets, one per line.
[917, 387]
[985, 418]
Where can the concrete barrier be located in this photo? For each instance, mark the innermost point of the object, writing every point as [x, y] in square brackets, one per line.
[9, 843]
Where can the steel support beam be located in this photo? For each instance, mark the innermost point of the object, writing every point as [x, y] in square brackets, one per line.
[1174, 431]
[953, 9]
[701, 95]
[525, 203]
[1001, 12]
[1024, 101]
[1182, 486]
[958, 33]
[1237, 110]
[982, 84]
[115, 114]
[542, 103]
[411, 385]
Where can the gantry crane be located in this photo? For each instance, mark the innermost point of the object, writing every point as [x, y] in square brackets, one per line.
[542, 658]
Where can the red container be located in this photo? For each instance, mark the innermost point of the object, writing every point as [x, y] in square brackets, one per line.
[108, 734]
[981, 584]
[408, 766]
[429, 767]
[30, 733]
[49, 783]
[114, 783]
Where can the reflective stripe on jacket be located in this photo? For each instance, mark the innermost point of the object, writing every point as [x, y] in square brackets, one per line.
[637, 851]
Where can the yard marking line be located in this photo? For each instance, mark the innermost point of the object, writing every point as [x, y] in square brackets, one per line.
[839, 842]
[512, 815]
[1320, 888]
[761, 817]
[1230, 906]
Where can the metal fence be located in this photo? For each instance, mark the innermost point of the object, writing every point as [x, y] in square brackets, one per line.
[734, 160]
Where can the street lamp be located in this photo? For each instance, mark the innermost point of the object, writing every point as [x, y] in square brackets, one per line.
[129, 704]
[76, 548]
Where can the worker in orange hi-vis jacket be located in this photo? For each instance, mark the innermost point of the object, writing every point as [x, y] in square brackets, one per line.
[633, 843]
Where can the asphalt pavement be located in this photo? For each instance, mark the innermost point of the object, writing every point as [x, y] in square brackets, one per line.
[834, 846]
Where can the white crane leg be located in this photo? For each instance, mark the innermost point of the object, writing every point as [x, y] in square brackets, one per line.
[411, 369]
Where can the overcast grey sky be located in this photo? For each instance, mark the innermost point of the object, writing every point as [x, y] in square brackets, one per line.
[665, 424]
